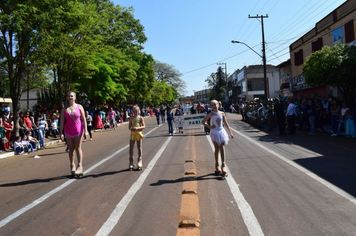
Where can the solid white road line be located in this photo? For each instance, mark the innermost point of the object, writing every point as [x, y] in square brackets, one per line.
[121, 206]
[302, 169]
[249, 218]
[59, 188]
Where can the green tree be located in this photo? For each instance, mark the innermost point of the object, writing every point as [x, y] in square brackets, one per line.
[216, 83]
[333, 66]
[144, 80]
[103, 82]
[93, 48]
[4, 81]
[68, 39]
[19, 42]
[162, 93]
[168, 73]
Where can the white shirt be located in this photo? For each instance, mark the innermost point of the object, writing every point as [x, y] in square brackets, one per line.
[291, 110]
[54, 125]
[42, 124]
[343, 111]
[17, 144]
[25, 142]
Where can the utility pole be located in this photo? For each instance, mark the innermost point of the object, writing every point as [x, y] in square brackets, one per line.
[263, 52]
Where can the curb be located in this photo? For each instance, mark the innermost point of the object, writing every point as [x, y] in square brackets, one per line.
[9, 154]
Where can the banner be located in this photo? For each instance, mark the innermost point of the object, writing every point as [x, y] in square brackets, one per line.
[188, 120]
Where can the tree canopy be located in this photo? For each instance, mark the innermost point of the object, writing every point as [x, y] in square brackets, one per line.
[333, 66]
[216, 83]
[169, 74]
[93, 47]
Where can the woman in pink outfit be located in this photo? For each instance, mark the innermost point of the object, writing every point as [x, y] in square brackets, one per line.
[74, 124]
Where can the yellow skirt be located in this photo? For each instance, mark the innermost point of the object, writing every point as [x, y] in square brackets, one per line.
[136, 135]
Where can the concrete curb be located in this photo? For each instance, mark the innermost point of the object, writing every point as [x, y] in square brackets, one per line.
[9, 154]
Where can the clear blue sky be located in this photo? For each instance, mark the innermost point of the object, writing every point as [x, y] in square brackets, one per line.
[195, 35]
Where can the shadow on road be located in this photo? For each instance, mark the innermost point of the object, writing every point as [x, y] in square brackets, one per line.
[186, 179]
[35, 181]
[336, 160]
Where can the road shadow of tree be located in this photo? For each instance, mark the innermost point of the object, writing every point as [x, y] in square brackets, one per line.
[336, 159]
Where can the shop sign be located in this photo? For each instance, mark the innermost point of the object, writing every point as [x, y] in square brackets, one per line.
[298, 83]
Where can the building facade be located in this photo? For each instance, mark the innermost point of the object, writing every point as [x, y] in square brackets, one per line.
[202, 96]
[31, 100]
[284, 78]
[336, 28]
[232, 87]
[250, 83]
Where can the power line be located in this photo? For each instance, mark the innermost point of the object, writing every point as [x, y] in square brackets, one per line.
[284, 32]
[215, 62]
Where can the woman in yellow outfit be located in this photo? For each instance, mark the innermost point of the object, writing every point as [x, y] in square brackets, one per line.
[136, 125]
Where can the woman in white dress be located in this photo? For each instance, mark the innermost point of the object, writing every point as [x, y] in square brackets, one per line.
[218, 134]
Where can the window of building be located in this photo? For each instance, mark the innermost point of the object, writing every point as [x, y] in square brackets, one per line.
[256, 84]
[349, 32]
[298, 57]
[317, 45]
[243, 86]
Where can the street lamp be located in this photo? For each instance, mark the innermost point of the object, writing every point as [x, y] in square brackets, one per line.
[264, 64]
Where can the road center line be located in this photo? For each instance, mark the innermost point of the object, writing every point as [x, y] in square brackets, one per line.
[302, 169]
[59, 188]
[121, 206]
[249, 218]
[189, 207]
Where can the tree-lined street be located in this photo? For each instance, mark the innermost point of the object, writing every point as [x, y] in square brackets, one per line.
[276, 186]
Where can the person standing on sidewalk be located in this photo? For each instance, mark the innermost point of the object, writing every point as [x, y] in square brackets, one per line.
[112, 116]
[312, 114]
[42, 127]
[281, 118]
[342, 118]
[335, 115]
[74, 125]
[305, 116]
[291, 114]
[163, 114]
[8, 127]
[89, 125]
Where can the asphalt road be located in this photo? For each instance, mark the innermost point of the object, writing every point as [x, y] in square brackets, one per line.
[292, 185]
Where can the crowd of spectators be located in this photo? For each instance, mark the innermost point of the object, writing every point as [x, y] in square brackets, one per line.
[312, 114]
[42, 123]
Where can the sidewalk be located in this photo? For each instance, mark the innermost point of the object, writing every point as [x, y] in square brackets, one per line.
[48, 142]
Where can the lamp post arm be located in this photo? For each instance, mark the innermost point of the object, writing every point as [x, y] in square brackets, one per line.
[233, 41]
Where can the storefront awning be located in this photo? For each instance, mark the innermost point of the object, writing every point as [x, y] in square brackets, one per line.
[5, 100]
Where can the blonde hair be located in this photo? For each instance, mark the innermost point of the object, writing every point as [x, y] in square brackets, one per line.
[214, 101]
[138, 108]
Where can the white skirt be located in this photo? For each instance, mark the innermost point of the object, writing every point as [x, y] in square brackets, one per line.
[219, 136]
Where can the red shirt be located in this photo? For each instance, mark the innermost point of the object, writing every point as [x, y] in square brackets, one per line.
[28, 122]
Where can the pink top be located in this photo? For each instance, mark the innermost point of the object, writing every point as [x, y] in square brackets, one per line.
[73, 126]
[111, 115]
